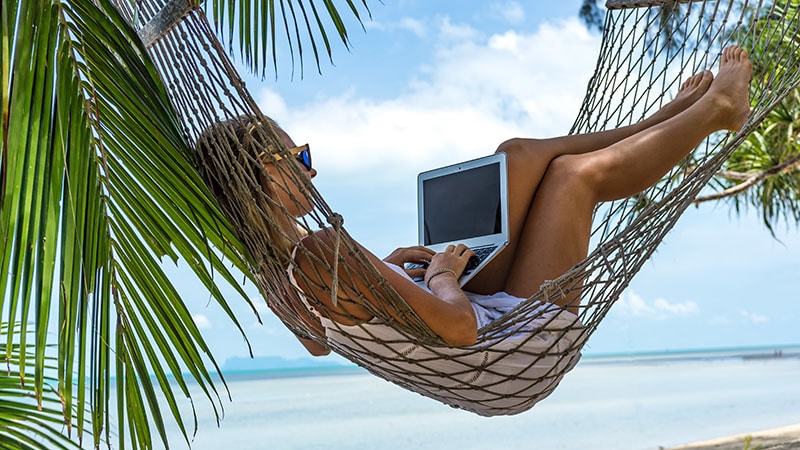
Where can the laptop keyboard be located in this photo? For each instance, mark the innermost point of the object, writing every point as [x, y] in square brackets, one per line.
[481, 253]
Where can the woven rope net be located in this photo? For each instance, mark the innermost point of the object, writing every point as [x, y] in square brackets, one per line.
[648, 49]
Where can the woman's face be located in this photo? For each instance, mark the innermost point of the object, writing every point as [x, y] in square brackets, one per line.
[284, 184]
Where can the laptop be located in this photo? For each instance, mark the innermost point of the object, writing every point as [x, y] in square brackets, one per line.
[465, 203]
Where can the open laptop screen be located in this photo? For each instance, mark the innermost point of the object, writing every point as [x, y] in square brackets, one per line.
[462, 205]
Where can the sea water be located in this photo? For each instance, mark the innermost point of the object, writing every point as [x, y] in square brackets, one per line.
[640, 402]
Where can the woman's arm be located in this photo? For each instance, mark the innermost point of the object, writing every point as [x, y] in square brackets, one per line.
[448, 313]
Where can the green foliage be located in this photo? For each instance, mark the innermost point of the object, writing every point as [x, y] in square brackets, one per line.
[771, 153]
[259, 28]
[592, 14]
[748, 442]
[764, 173]
[99, 194]
[28, 419]
[663, 24]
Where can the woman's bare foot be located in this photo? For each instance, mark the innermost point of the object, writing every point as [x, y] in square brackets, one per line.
[730, 90]
[692, 89]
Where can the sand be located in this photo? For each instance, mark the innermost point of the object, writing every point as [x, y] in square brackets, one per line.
[784, 438]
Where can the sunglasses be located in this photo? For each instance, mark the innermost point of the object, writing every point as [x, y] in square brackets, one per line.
[302, 154]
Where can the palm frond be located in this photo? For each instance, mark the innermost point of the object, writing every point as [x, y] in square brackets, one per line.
[29, 419]
[98, 193]
[257, 27]
[764, 172]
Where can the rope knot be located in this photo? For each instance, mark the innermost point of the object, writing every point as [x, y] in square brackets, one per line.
[337, 222]
[550, 287]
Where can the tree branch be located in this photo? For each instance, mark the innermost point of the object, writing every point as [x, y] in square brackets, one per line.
[749, 180]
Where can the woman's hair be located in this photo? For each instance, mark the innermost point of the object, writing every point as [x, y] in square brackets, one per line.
[229, 156]
[228, 147]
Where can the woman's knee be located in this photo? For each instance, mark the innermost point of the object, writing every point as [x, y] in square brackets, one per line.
[518, 146]
[524, 152]
[510, 146]
[573, 173]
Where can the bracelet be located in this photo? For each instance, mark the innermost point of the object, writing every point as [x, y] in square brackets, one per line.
[438, 272]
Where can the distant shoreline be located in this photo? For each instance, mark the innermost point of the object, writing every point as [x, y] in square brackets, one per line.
[276, 368]
[744, 353]
[296, 372]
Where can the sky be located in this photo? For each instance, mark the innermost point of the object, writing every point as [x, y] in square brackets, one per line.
[429, 83]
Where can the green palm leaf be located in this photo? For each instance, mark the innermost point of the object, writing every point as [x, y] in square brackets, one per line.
[28, 419]
[770, 156]
[97, 189]
[258, 26]
[98, 192]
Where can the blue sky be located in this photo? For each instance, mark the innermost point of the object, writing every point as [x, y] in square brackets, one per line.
[436, 82]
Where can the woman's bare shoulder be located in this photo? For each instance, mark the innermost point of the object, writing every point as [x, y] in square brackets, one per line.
[314, 262]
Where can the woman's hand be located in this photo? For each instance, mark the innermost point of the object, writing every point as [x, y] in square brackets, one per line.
[449, 312]
[414, 255]
[454, 257]
[459, 326]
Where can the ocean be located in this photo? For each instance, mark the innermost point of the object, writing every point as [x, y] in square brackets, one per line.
[635, 402]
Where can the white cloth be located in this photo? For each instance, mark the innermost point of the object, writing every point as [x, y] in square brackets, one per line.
[488, 308]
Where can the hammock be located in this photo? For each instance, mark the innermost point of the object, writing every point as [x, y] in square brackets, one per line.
[639, 66]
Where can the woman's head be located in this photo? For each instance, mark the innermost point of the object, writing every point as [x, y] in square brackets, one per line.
[260, 185]
[252, 150]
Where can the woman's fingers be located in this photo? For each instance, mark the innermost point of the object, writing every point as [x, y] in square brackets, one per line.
[421, 252]
[416, 254]
[416, 273]
[459, 250]
[454, 257]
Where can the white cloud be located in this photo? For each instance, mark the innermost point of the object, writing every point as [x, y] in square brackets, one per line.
[739, 317]
[271, 101]
[202, 321]
[260, 304]
[753, 317]
[480, 91]
[680, 309]
[476, 91]
[415, 26]
[455, 32]
[633, 305]
[508, 41]
[511, 11]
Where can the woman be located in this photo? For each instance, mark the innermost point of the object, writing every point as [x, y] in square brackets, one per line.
[554, 186]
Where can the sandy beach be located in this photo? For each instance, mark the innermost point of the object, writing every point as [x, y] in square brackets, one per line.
[784, 438]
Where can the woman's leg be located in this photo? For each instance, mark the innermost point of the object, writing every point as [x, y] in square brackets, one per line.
[691, 91]
[555, 234]
[528, 159]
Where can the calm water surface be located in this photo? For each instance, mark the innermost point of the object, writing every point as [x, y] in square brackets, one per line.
[637, 403]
